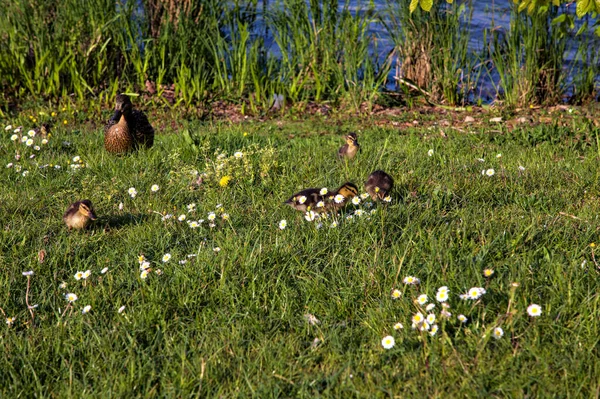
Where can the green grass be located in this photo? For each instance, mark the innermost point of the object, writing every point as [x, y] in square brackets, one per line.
[230, 324]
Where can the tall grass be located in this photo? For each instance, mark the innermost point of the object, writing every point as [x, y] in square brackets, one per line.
[252, 52]
[529, 58]
[433, 48]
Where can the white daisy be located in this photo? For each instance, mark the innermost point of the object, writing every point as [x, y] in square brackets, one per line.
[166, 258]
[498, 332]
[323, 191]
[132, 192]
[434, 330]
[339, 199]
[154, 188]
[534, 310]
[310, 216]
[71, 297]
[86, 309]
[282, 224]
[430, 152]
[388, 342]
[356, 200]
[490, 172]
[422, 299]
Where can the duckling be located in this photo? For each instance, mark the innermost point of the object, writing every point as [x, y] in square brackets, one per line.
[351, 147]
[79, 214]
[309, 199]
[379, 184]
[347, 191]
[128, 128]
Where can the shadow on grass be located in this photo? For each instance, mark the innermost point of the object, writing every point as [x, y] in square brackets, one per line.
[108, 223]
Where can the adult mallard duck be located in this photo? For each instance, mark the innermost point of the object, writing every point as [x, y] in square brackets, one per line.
[351, 148]
[379, 184]
[79, 214]
[127, 129]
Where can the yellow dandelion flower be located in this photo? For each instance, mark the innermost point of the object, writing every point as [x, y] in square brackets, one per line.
[224, 181]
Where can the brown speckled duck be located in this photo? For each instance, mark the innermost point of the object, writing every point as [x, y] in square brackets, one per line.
[340, 197]
[127, 129]
[79, 214]
[351, 148]
[308, 199]
[379, 184]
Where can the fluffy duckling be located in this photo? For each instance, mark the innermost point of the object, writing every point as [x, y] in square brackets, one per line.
[351, 147]
[79, 214]
[379, 184]
[128, 128]
[309, 199]
[340, 197]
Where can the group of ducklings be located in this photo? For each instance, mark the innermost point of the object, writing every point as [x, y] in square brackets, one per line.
[320, 200]
[127, 130]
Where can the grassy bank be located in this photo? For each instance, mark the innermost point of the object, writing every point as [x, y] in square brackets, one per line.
[229, 313]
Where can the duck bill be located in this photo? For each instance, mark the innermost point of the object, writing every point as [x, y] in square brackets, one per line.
[92, 216]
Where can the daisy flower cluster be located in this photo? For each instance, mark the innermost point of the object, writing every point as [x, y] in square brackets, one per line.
[360, 207]
[191, 216]
[146, 266]
[27, 145]
[246, 164]
[434, 312]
